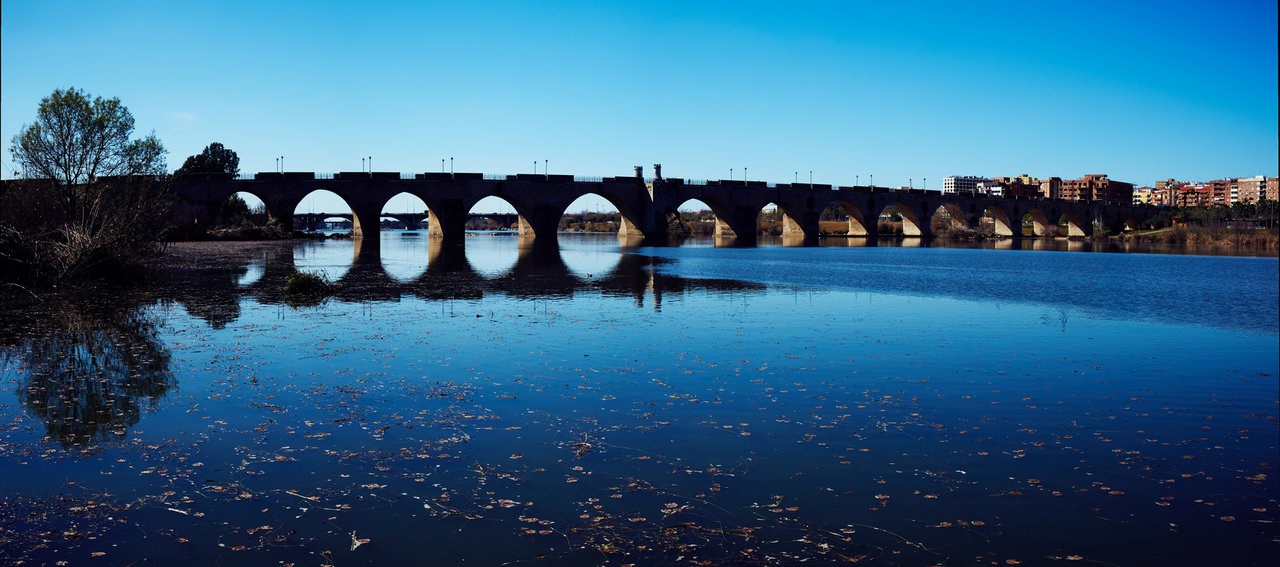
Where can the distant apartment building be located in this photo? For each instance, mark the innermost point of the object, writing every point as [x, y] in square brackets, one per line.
[1219, 191]
[1257, 188]
[1021, 186]
[1192, 195]
[1144, 195]
[1097, 187]
[1051, 188]
[962, 184]
[1167, 192]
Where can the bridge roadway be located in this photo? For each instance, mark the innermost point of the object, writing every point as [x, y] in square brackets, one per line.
[648, 208]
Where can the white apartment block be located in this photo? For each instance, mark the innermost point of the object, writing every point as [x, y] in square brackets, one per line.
[963, 184]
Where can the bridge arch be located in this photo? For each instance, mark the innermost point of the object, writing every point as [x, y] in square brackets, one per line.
[1133, 222]
[626, 224]
[1116, 222]
[790, 219]
[770, 220]
[1073, 222]
[1040, 223]
[245, 207]
[949, 217]
[495, 213]
[325, 203]
[700, 217]
[911, 219]
[1003, 222]
[407, 208]
[853, 217]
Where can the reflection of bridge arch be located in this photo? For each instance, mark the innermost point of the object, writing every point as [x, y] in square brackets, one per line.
[540, 271]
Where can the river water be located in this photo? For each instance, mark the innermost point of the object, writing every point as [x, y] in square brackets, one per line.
[596, 404]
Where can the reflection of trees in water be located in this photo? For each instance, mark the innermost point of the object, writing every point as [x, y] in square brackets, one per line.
[88, 375]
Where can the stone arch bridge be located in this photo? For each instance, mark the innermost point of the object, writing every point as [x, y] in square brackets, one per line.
[648, 208]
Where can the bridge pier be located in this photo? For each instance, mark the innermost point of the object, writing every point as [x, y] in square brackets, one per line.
[803, 231]
[447, 220]
[916, 220]
[1003, 224]
[541, 223]
[366, 221]
[740, 224]
[280, 211]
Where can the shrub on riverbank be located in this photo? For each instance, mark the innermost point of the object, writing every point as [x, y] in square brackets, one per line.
[960, 232]
[106, 230]
[1194, 235]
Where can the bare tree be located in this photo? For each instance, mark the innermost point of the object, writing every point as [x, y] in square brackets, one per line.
[93, 199]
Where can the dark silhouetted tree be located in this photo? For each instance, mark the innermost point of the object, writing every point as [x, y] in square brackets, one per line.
[92, 200]
[75, 140]
[215, 158]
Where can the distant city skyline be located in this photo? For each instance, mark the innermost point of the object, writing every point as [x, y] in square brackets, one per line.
[1134, 90]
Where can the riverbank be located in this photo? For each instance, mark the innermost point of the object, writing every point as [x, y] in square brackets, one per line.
[1244, 237]
[250, 233]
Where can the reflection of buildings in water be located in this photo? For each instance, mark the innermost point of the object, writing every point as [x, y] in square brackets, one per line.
[87, 376]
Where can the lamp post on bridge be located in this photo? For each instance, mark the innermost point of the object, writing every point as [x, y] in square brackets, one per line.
[281, 164]
[450, 166]
[370, 165]
[545, 170]
[441, 165]
[363, 168]
[810, 177]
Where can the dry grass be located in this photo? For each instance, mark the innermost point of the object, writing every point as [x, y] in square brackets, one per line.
[1199, 236]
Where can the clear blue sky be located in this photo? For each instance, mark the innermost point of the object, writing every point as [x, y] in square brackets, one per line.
[900, 90]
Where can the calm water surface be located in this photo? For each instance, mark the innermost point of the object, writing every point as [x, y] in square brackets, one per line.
[601, 405]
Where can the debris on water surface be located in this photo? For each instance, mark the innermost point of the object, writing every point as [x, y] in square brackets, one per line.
[357, 542]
